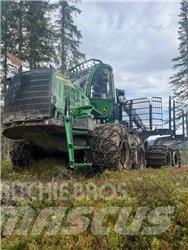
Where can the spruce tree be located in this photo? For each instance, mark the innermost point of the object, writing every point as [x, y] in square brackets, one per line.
[67, 36]
[26, 32]
[179, 80]
[19, 29]
[7, 34]
[39, 48]
[7, 45]
[29, 33]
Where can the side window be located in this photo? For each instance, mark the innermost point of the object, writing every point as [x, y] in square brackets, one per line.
[101, 85]
[81, 82]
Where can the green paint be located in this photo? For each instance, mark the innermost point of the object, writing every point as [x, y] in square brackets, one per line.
[94, 97]
[69, 138]
[105, 107]
[90, 94]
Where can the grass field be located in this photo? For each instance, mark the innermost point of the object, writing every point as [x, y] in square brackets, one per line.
[108, 202]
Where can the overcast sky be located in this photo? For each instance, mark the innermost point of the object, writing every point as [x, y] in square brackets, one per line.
[137, 39]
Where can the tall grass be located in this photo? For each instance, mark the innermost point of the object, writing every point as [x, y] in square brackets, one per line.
[147, 188]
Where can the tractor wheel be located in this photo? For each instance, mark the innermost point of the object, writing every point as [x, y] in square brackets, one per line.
[141, 158]
[176, 159]
[137, 155]
[21, 154]
[109, 147]
[173, 159]
[161, 155]
[169, 158]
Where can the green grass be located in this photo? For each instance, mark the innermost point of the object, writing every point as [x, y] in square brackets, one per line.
[148, 188]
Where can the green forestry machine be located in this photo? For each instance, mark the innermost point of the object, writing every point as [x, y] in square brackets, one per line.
[80, 114]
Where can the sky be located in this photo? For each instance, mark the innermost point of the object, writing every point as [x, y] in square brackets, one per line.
[138, 39]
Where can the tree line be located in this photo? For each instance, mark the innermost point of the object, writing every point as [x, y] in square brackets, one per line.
[179, 80]
[40, 33]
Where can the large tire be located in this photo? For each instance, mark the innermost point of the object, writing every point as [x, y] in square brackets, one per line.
[21, 154]
[161, 155]
[176, 162]
[109, 147]
[141, 163]
[137, 159]
[158, 156]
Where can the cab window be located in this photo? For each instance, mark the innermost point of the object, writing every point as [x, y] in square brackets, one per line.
[81, 82]
[101, 85]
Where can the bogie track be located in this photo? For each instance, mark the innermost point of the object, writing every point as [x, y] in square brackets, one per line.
[113, 147]
[161, 155]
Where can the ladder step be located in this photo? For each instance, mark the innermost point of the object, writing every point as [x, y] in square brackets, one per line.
[80, 132]
[85, 164]
[81, 147]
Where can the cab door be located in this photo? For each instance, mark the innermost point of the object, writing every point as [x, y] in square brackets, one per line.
[102, 94]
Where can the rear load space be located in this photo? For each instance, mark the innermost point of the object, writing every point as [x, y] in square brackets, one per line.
[29, 96]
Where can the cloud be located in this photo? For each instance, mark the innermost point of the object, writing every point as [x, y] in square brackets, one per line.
[137, 39]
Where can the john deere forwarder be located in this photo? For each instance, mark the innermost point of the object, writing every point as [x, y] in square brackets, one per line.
[82, 114]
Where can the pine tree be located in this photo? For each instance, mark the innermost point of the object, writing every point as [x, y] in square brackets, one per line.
[67, 36]
[179, 80]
